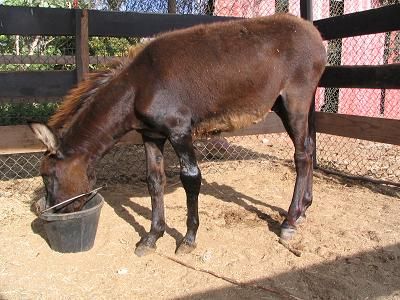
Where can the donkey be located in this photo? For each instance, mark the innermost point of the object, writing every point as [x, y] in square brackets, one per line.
[197, 81]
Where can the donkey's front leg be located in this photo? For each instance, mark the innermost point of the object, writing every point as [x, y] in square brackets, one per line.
[191, 181]
[155, 182]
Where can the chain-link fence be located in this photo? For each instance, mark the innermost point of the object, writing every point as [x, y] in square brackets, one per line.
[353, 156]
[249, 9]
[127, 163]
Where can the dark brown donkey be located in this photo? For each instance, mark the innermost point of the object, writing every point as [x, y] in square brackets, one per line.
[201, 80]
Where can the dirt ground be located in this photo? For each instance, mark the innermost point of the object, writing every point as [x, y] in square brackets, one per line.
[349, 247]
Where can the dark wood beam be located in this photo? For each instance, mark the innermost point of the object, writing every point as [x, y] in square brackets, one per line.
[360, 23]
[36, 83]
[121, 24]
[371, 77]
[36, 21]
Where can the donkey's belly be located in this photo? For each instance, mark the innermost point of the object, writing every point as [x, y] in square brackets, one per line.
[229, 121]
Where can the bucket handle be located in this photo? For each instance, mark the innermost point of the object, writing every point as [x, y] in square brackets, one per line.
[94, 192]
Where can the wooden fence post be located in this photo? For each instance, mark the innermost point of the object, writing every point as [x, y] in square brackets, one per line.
[82, 43]
[306, 12]
[172, 6]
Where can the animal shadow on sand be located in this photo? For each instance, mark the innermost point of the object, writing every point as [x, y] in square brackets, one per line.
[138, 188]
[221, 192]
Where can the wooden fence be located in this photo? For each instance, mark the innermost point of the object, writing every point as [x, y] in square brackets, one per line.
[86, 23]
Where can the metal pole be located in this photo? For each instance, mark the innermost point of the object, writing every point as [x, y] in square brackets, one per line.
[306, 11]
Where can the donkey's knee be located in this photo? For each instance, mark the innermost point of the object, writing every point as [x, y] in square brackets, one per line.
[191, 179]
[302, 161]
[309, 146]
[155, 182]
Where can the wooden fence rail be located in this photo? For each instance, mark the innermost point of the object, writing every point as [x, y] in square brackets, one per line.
[85, 23]
[51, 59]
[64, 22]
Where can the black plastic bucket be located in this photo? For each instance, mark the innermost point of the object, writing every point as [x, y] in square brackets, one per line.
[72, 232]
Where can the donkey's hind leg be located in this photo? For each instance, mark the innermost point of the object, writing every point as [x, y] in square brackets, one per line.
[308, 193]
[154, 148]
[293, 109]
[191, 180]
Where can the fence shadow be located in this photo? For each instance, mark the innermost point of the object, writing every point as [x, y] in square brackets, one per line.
[388, 190]
[365, 275]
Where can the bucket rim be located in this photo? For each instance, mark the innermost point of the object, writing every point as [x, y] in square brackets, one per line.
[49, 216]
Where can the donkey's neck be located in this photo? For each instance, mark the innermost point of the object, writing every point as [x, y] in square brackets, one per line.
[99, 125]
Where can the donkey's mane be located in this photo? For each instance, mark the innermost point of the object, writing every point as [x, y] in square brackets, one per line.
[81, 96]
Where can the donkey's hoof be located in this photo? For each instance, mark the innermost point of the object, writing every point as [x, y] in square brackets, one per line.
[143, 250]
[185, 248]
[287, 233]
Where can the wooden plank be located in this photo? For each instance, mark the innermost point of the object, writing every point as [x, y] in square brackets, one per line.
[37, 59]
[36, 83]
[372, 77]
[365, 128]
[123, 24]
[18, 139]
[371, 21]
[36, 21]
[59, 21]
[82, 44]
[52, 59]
[271, 124]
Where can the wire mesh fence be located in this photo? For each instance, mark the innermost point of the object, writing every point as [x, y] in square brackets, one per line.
[126, 163]
[353, 156]
[249, 9]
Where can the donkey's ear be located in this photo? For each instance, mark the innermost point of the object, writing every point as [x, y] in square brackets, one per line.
[46, 136]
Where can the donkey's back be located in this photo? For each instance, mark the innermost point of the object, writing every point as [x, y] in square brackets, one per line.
[228, 75]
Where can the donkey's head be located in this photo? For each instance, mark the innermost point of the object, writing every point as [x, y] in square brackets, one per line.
[64, 176]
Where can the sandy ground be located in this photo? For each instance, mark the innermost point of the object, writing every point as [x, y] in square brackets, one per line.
[349, 246]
